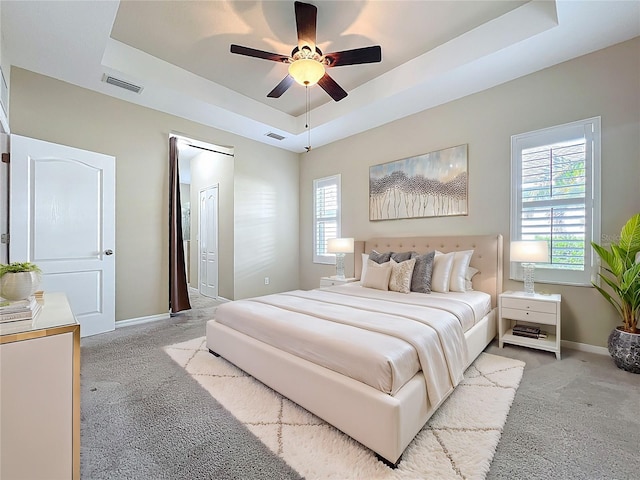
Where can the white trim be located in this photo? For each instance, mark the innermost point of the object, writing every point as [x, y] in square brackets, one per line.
[328, 258]
[137, 321]
[585, 347]
[591, 130]
[154, 318]
[211, 147]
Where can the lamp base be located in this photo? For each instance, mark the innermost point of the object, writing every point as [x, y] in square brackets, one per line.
[340, 266]
[528, 273]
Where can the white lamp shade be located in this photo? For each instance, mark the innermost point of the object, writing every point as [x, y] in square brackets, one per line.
[529, 251]
[340, 245]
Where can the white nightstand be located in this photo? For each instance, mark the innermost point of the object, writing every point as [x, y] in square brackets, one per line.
[537, 310]
[331, 281]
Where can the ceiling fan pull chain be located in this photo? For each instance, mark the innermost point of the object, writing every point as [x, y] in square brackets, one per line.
[308, 118]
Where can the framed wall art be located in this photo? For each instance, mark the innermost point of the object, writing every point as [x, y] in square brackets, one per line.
[430, 185]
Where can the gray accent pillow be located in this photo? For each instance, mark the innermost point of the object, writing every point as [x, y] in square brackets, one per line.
[421, 278]
[379, 257]
[402, 256]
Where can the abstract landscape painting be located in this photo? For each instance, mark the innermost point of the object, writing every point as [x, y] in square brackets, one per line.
[429, 185]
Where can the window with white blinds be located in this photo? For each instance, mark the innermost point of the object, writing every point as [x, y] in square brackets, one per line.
[556, 198]
[326, 217]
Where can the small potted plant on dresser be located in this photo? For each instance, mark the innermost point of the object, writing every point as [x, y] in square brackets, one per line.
[19, 280]
[621, 273]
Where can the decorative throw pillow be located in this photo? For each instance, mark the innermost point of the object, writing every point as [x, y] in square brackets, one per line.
[365, 259]
[459, 269]
[442, 265]
[379, 257]
[421, 278]
[377, 275]
[400, 280]
[468, 285]
[402, 256]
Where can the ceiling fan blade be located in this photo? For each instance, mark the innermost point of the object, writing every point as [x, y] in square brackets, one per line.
[282, 87]
[355, 56]
[252, 52]
[306, 16]
[330, 86]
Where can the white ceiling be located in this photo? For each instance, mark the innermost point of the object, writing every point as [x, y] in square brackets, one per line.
[432, 52]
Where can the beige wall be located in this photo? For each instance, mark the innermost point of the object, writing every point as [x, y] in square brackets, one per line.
[55, 111]
[266, 223]
[605, 83]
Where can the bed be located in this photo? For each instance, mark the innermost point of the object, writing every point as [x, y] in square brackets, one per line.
[384, 415]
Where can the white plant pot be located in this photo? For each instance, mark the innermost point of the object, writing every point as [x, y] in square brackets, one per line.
[19, 286]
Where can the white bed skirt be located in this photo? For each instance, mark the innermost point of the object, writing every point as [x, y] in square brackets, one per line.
[385, 424]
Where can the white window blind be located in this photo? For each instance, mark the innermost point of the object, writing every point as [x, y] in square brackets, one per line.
[555, 197]
[326, 216]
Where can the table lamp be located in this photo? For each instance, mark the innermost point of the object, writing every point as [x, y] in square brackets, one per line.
[340, 246]
[527, 253]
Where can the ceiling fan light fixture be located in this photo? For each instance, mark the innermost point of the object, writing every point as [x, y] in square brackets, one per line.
[306, 71]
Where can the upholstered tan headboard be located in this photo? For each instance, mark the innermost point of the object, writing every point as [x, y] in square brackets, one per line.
[487, 255]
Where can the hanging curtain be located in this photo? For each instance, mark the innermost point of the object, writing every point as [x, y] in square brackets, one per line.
[178, 289]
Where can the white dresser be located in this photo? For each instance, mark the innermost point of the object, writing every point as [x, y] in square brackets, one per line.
[40, 395]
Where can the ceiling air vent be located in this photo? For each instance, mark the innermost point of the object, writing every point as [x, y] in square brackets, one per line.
[121, 83]
[274, 135]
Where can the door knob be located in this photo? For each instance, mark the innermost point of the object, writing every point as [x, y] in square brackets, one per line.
[108, 252]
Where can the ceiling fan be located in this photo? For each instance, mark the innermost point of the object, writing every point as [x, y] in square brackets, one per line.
[307, 63]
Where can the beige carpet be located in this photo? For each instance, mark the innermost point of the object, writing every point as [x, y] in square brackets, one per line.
[458, 441]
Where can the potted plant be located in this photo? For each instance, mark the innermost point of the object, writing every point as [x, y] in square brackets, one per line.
[19, 280]
[621, 273]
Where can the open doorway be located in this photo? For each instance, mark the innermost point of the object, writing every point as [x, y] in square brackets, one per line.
[204, 173]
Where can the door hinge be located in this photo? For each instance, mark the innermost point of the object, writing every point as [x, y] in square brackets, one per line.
[6, 157]
[4, 238]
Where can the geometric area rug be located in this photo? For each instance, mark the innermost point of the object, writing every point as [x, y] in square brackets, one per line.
[458, 441]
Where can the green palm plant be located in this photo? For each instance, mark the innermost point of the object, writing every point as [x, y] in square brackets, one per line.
[621, 273]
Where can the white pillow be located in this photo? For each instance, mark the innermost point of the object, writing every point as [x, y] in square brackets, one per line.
[468, 285]
[400, 280]
[458, 271]
[377, 275]
[365, 259]
[440, 277]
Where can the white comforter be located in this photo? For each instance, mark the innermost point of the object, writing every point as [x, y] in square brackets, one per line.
[381, 340]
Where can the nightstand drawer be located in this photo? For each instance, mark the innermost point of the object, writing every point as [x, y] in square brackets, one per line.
[529, 305]
[528, 316]
[332, 281]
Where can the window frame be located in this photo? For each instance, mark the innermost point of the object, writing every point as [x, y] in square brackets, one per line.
[326, 258]
[591, 128]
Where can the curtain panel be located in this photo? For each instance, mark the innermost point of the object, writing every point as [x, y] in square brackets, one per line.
[178, 288]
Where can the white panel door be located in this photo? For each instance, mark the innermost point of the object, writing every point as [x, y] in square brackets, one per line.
[62, 217]
[208, 229]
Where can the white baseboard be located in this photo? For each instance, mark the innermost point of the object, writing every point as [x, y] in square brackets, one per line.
[137, 321]
[585, 347]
